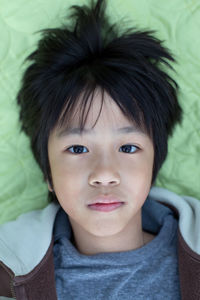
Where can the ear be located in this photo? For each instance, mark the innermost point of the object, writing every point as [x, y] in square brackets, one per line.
[49, 186]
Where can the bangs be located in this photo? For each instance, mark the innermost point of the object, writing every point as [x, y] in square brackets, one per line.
[78, 107]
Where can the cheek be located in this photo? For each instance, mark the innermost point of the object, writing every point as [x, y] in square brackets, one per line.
[139, 176]
[66, 181]
[139, 181]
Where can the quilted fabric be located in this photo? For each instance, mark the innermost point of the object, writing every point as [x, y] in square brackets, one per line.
[177, 23]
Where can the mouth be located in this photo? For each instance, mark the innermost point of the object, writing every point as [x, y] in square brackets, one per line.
[102, 199]
[105, 207]
[105, 203]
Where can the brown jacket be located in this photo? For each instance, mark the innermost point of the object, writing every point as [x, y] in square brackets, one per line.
[26, 250]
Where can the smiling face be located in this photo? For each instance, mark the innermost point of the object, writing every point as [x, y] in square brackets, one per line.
[106, 161]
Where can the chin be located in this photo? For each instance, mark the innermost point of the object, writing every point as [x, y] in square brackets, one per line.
[106, 231]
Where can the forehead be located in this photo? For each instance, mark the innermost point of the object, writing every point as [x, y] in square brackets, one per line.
[102, 115]
[76, 131]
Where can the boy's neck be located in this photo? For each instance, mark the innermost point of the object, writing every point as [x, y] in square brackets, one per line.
[131, 238]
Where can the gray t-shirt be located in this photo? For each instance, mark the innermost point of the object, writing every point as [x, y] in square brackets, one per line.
[150, 272]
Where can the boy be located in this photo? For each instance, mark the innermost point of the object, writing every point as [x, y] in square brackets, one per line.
[98, 110]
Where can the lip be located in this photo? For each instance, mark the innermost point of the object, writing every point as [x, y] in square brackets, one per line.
[105, 207]
[105, 199]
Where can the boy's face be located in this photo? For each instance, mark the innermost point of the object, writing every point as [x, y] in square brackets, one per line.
[105, 166]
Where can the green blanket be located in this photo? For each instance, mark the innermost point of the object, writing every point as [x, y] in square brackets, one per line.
[177, 23]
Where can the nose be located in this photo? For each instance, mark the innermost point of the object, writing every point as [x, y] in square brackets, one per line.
[104, 182]
[104, 178]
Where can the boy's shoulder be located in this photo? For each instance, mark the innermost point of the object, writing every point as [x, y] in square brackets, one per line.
[24, 241]
[26, 251]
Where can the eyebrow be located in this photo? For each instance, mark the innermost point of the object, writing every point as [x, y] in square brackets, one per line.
[77, 131]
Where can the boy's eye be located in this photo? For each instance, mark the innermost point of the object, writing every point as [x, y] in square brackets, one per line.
[77, 149]
[125, 148]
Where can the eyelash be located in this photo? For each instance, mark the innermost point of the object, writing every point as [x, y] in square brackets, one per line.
[137, 148]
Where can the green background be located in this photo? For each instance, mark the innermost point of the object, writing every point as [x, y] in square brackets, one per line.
[177, 23]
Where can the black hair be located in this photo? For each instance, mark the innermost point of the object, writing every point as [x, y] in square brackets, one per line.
[74, 60]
